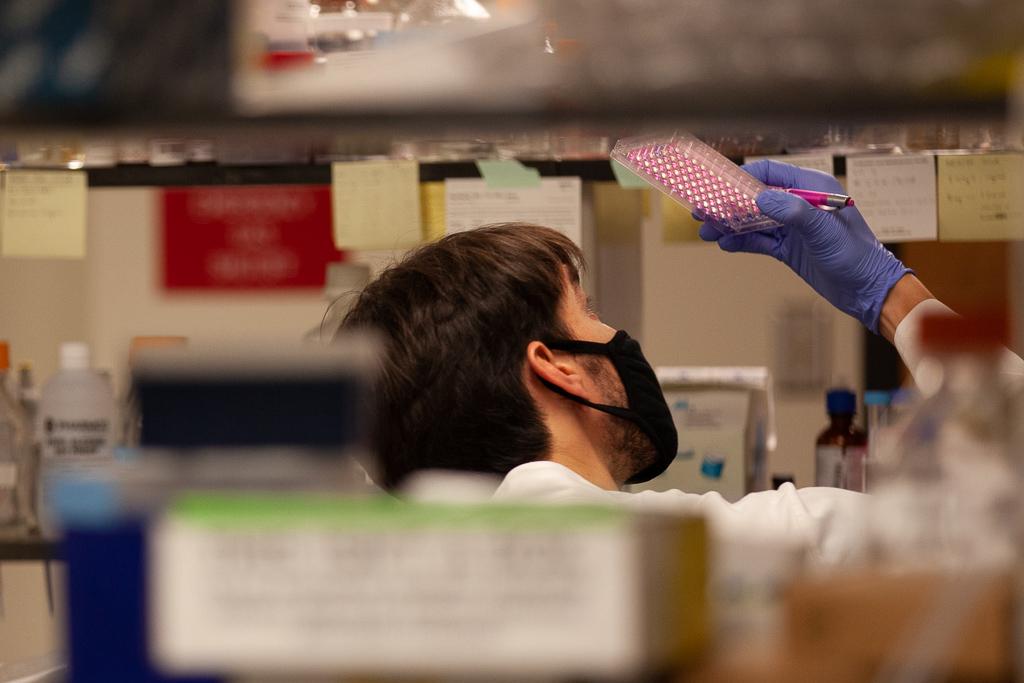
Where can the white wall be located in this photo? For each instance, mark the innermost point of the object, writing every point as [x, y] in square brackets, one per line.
[702, 306]
[42, 303]
[125, 298]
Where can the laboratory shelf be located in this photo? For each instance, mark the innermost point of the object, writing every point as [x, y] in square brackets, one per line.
[28, 549]
[310, 174]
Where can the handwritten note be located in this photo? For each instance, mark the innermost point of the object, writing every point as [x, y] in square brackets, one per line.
[470, 203]
[819, 161]
[43, 214]
[376, 204]
[896, 194]
[981, 197]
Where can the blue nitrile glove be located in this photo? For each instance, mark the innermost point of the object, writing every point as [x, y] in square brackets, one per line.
[834, 252]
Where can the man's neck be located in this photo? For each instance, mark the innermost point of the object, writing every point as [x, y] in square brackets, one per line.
[573, 442]
[585, 464]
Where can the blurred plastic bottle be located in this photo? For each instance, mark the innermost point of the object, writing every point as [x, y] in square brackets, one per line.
[76, 422]
[76, 410]
[15, 448]
[841, 448]
[946, 496]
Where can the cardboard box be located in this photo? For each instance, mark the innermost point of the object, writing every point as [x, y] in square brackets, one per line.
[725, 417]
[871, 620]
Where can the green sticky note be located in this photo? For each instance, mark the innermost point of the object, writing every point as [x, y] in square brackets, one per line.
[501, 173]
[628, 179]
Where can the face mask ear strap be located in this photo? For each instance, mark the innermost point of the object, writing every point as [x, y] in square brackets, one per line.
[623, 413]
[577, 346]
[611, 410]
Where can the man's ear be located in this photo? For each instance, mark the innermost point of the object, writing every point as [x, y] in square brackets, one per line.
[559, 369]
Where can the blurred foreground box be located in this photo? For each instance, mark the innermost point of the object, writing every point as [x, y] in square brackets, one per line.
[304, 585]
[959, 625]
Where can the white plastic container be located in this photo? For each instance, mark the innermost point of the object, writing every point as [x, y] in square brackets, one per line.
[76, 426]
[76, 412]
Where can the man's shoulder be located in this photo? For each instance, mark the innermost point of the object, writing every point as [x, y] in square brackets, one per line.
[546, 481]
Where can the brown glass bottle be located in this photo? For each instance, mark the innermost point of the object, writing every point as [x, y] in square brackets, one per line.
[839, 453]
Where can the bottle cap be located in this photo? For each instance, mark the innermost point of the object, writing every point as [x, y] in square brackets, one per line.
[75, 356]
[5, 355]
[841, 402]
[984, 332]
[877, 398]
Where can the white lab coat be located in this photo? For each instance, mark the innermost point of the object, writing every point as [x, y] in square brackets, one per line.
[829, 523]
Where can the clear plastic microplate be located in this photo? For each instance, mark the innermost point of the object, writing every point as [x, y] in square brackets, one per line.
[698, 177]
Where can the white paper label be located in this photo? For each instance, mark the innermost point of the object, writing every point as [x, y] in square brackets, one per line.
[75, 440]
[896, 195]
[470, 203]
[828, 466]
[393, 601]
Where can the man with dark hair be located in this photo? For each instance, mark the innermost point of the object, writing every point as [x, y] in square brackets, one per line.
[457, 317]
[495, 362]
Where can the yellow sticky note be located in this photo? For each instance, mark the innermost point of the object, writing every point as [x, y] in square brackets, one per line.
[375, 204]
[677, 225]
[618, 213]
[432, 210]
[43, 214]
[981, 197]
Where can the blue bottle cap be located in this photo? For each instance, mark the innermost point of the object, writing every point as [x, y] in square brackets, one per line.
[877, 398]
[841, 402]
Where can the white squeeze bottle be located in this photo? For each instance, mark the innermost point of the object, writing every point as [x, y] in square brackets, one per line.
[76, 415]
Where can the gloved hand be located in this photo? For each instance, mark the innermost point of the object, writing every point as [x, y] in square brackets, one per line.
[834, 252]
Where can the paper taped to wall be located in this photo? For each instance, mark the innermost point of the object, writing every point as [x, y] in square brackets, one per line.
[432, 210]
[980, 197]
[376, 204]
[896, 194]
[43, 214]
[470, 203]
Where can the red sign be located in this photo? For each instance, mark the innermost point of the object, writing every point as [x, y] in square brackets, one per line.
[260, 237]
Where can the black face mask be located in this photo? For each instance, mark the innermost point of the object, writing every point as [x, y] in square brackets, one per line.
[647, 407]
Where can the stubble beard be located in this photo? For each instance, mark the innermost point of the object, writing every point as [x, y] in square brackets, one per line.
[627, 450]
